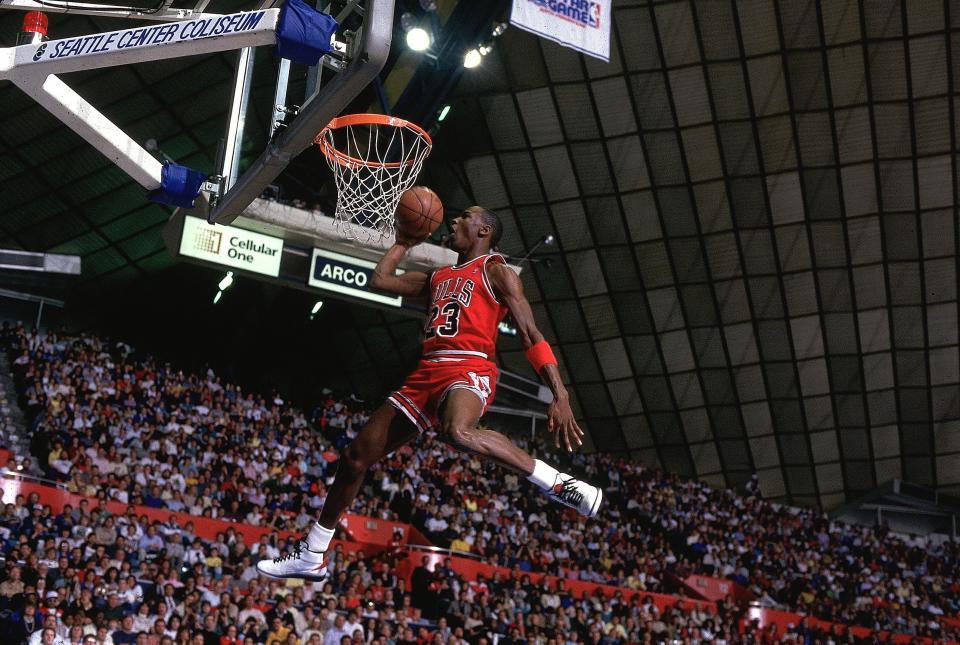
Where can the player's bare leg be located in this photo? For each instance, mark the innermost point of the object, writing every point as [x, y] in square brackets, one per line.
[460, 415]
[386, 431]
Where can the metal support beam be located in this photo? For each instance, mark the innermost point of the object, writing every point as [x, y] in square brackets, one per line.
[237, 117]
[99, 131]
[30, 297]
[280, 96]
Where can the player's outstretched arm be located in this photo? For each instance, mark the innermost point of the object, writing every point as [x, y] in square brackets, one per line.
[560, 421]
[386, 280]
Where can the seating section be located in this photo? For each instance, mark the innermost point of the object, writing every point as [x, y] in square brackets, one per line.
[182, 481]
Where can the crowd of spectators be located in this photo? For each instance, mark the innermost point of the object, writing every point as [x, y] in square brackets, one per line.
[64, 584]
[114, 425]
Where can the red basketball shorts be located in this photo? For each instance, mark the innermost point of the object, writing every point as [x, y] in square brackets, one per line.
[437, 374]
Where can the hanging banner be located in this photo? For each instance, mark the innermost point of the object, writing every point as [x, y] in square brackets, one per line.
[583, 25]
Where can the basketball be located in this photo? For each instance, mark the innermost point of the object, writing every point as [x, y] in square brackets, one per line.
[419, 212]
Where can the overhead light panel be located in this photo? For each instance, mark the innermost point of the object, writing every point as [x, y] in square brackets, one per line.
[226, 282]
[472, 59]
[217, 297]
[317, 306]
[444, 112]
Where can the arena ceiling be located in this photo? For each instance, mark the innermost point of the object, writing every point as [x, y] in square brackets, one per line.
[754, 206]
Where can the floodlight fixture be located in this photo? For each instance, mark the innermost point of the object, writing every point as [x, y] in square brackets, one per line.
[472, 59]
[418, 38]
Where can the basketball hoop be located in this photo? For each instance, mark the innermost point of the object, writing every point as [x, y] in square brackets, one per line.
[374, 159]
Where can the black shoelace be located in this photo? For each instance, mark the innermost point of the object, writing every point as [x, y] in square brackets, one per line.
[569, 493]
[293, 555]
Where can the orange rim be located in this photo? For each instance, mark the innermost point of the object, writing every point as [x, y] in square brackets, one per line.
[348, 120]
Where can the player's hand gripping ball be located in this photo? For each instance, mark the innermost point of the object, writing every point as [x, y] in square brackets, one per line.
[419, 214]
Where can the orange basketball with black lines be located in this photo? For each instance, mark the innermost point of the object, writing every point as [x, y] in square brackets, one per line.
[419, 213]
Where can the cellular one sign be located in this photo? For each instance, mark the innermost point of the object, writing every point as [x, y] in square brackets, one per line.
[231, 246]
[347, 275]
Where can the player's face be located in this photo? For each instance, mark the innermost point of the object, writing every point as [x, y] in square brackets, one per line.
[459, 231]
[463, 229]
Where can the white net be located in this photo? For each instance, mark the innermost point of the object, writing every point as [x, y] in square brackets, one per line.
[373, 163]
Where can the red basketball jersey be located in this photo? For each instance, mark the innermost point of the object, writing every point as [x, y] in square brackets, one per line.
[464, 312]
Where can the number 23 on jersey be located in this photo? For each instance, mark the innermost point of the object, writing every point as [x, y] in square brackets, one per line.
[450, 312]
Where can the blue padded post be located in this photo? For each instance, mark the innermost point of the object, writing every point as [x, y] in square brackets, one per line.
[179, 186]
[303, 33]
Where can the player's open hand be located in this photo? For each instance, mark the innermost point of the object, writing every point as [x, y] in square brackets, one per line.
[564, 427]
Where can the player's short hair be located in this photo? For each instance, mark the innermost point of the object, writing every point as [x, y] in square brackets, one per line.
[492, 220]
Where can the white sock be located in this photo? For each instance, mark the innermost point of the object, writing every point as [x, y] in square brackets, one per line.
[544, 475]
[318, 539]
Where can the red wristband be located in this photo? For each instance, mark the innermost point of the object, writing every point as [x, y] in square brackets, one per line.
[541, 354]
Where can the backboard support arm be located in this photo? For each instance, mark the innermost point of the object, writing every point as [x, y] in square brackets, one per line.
[364, 65]
[33, 67]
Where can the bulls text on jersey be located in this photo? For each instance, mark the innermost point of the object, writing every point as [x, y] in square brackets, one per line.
[460, 290]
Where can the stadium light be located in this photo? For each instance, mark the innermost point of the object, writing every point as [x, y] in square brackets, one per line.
[472, 59]
[226, 282]
[444, 111]
[317, 306]
[217, 297]
[418, 38]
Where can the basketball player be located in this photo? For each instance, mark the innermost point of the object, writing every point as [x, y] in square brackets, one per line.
[452, 385]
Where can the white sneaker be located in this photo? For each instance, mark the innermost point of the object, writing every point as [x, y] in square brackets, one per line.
[579, 495]
[301, 562]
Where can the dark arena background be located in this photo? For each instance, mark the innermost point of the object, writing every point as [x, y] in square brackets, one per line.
[735, 223]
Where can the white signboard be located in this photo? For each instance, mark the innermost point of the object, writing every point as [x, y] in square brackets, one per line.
[347, 275]
[231, 246]
[583, 25]
[138, 37]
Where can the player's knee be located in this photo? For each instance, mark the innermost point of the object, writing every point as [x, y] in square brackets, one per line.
[459, 435]
[353, 461]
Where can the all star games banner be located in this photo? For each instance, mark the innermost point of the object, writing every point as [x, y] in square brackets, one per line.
[583, 25]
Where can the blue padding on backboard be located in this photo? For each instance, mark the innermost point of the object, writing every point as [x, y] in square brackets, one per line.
[303, 33]
[179, 186]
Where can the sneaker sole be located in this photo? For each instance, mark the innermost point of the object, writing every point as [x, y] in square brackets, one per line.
[295, 575]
